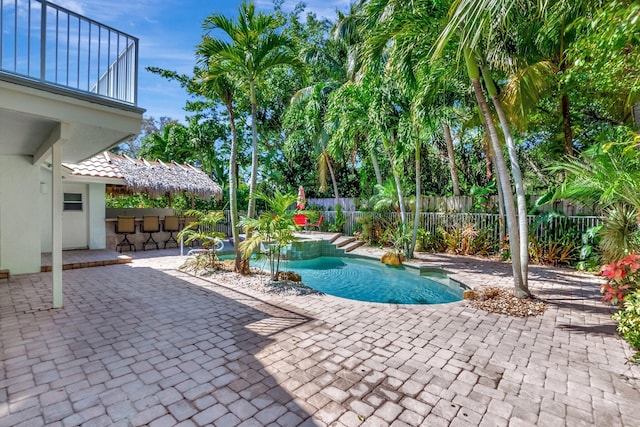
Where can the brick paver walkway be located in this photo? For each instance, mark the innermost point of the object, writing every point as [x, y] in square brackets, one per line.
[144, 344]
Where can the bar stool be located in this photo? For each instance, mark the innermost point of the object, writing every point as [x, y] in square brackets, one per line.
[172, 225]
[150, 224]
[125, 225]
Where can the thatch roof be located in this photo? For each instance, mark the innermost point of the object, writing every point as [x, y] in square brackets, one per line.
[155, 178]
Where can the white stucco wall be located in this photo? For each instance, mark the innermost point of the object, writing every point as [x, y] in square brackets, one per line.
[45, 210]
[20, 235]
[97, 231]
[94, 204]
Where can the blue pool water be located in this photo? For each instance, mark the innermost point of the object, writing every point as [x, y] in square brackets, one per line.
[371, 281]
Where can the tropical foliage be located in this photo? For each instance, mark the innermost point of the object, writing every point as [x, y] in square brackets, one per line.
[622, 279]
[272, 231]
[628, 319]
[439, 97]
[202, 228]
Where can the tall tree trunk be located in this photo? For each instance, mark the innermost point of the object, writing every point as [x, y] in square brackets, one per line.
[251, 210]
[523, 224]
[501, 225]
[501, 166]
[565, 105]
[233, 193]
[333, 176]
[487, 161]
[396, 177]
[376, 167]
[452, 158]
[565, 108]
[416, 216]
[489, 153]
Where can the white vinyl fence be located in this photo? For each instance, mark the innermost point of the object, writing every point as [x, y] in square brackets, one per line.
[459, 204]
[553, 228]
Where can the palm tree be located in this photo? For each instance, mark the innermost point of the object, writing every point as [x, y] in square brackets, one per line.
[214, 83]
[401, 34]
[385, 115]
[472, 20]
[339, 60]
[347, 123]
[386, 197]
[607, 176]
[273, 229]
[602, 176]
[521, 205]
[250, 48]
[305, 119]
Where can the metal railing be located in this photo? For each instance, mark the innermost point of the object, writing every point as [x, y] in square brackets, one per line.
[55, 46]
[551, 229]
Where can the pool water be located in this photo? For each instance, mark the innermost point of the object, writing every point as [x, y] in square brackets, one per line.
[372, 281]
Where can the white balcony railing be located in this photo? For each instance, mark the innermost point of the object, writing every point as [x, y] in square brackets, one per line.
[47, 43]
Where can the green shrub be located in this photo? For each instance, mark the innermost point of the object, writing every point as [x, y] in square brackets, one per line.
[366, 227]
[338, 225]
[619, 235]
[377, 230]
[590, 256]
[628, 319]
[466, 240]
[562, 251]
[427, 241]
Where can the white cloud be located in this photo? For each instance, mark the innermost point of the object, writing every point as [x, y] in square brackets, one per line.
[72, 5]
[322, 8]
[110, 12]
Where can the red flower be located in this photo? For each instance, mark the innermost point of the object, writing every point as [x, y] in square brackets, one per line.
[621, 278]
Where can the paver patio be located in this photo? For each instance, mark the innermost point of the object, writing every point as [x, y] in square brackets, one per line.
[145, 344]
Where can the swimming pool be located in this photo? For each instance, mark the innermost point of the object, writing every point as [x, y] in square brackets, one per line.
[365, 280]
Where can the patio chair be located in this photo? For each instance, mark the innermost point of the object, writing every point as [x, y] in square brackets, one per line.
[301, 220]
[125, 225]
[150, 224]
[172, 225]
[317, 224]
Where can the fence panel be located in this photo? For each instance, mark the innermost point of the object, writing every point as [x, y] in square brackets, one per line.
[448, 204]
[348, 203]
[554, 228]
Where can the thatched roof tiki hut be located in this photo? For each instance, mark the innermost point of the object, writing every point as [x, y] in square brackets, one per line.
[155, 178]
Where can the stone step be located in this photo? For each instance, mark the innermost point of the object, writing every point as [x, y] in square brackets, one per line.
[354, 245]
[335, 237]
[345, 242]
[121, 259]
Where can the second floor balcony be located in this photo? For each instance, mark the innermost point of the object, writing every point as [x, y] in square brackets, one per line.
[59, 50]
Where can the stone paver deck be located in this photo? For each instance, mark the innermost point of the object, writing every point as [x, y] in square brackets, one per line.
[144, 344]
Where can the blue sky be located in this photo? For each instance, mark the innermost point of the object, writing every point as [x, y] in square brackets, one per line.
[168, 31]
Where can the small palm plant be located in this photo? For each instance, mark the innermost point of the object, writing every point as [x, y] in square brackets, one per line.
[272, 230]
[203, 229]
[386, 197]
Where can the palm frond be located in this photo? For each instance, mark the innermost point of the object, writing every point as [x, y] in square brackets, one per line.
[524, 89]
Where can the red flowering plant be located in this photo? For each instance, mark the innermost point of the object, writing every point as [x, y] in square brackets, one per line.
[622, 279]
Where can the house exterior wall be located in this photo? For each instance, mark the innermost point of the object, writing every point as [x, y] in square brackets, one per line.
[97, 231]
[95, 206]
[45, 210]
[20, 220]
